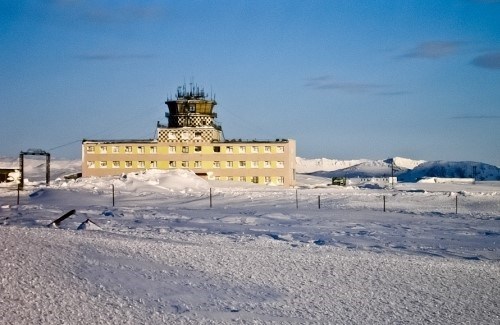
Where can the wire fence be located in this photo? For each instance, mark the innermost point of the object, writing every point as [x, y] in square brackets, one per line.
[438, 203]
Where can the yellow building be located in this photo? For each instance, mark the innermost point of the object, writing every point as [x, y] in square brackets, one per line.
[192, 140]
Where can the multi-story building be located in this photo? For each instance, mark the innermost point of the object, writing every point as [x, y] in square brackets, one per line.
[193, 140]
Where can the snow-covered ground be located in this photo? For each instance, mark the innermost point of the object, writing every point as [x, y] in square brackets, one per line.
[167, 253]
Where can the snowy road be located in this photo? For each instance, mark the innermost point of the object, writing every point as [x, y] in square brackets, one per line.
[52, 276]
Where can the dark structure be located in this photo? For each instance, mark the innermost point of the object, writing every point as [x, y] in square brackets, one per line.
[34, 152]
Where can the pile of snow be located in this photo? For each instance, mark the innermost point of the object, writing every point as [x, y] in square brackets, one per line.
[440, 180]
[172, 180]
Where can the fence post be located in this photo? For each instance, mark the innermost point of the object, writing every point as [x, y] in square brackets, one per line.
[456, 204]
[319, 202]
[18, 189]
[113, 191]
[210, 197]
[384, 203]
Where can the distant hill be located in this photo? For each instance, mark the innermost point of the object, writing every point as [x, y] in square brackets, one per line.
[405, 169]
[452, 169]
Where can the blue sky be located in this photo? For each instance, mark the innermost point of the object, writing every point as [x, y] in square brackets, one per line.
[346, 79]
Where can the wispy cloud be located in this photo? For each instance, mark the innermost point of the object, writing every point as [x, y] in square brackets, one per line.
[110, 12]
[393, 93]
[488, 60]
[329, 83]
[105, 57]
[476, 117]
[433, 50]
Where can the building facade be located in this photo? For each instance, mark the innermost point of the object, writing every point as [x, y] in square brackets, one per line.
[193, 140]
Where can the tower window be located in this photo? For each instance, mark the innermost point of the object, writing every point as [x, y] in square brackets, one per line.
[185, 149]
[216, 149]
[197, 148]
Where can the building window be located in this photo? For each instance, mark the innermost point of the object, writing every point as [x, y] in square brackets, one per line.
[229, 149]
[197, 135]
[185, 136]
[116, 164]
[281, 180]
[171, 149]
[197, 148]
[192, 109]
[243, 149]
[255, 179]
[128, 164]
[153, 164]
[267, 164]
[280, 164]
[229, 164]
[243, 179]
[90, 149]
[104, 149]
[267, 179]
[185, 164]
[242, 164]
[141, 164]
[216, 164]
[280, 149]
[230, 178]
[128, 149]
[91, 164]
[140, 149]
[267, 149]
[115, 149]
[185, 149]
[216, 148]
[103, 164]
[152, 149]
[171, 164]
[197, 164]
[255, 164]
[255, 149]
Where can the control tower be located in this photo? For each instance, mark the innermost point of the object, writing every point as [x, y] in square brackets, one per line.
[191, 117]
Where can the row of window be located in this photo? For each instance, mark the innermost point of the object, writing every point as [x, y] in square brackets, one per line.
[184, 149]
[184, 164]
[253, 179]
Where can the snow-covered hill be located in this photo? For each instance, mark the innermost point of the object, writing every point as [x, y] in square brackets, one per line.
[452, 169]
[405, 169]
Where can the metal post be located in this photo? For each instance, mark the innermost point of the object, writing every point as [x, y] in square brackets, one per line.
[113, 191]
[319, 202]
[456, 204]
[18, 188]
[21, 167]
[384, 203]
[210, 197]
[47, 169]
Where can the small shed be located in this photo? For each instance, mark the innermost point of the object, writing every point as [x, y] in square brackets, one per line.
[5, 173]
